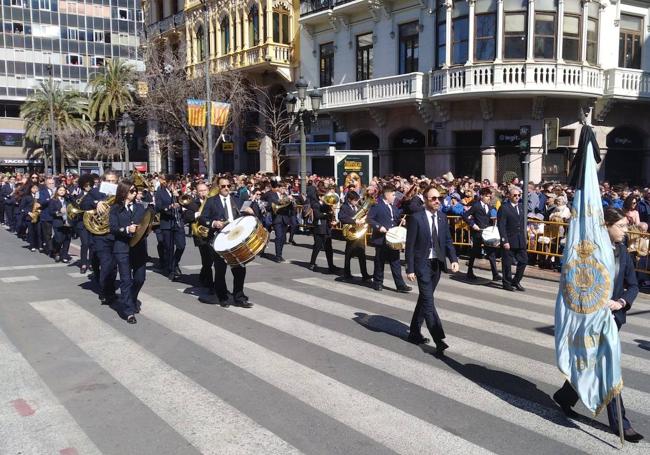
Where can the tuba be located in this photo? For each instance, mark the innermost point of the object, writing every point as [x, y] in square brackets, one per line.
[140, 182]
[354, 231]
[198, 230]
[95, 223]
[282, 203]
[331, 199]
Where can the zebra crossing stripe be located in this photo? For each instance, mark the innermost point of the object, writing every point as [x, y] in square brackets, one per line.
[633, 363]
[19, 279]
[513, 409]
[33, 420]
[30, 267]
[486, 355]
[207, 422]
[363, 413]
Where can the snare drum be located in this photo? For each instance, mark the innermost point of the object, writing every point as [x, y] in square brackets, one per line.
[491, 236]
[241, 240]
[396, 238]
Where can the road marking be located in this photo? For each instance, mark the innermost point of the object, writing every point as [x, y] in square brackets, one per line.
[207, 422]
[33, 420]
[359, 411]
[486, 355]
[29, 267]
[532, 336]
[511, 408]
[77, 275]
[19, 279]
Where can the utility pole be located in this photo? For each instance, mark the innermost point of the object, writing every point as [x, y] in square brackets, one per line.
[524, 151]
[208, 89]
[52, 132]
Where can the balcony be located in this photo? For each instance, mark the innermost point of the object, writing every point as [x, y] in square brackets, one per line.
[386, 91]
[319, 11]
[627, 83]
[517, 78]
[165, 25]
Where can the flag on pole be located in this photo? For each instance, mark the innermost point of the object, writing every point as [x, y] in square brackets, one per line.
[220, 112]
[196, 112]
[587, 346]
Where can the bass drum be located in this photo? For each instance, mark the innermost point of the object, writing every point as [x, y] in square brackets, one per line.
[491, 236]
[396, 238]
[241, 240]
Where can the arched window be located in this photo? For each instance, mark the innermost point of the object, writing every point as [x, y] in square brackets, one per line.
[200, 49]
[253, 26]
[281, 26]
[225, 36]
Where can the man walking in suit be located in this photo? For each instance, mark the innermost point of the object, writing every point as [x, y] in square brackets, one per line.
[478, 218]
[353, 248]
[381, 217]
[512, 229]
[171, 226]
[281, 218]
[45, 195]
[428, 243]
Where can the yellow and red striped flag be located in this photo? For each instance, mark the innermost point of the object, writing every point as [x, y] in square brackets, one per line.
[196, 112]
[220, 112]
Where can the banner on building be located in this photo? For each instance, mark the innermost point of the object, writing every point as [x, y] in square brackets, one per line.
[351, 166]
[197, 112]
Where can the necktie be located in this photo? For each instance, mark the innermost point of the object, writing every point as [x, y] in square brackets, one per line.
[485, 207]
[227, 208]
[390, 208]
[434, 238]
[517, 208]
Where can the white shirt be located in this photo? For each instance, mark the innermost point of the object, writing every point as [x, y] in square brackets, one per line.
[225, 201]
[485, 207]
[433, 221]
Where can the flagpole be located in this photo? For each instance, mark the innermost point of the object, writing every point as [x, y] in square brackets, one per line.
[620, 419]
[208, 88]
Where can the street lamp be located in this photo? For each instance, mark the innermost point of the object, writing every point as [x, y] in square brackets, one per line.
[127, 127]
[45, 142]
[298, 112]
[208, 88]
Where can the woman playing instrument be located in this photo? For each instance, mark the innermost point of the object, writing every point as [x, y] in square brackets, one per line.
[124, 218]
[58, 208]
[29, 210]
[84, 202]
[626, 288]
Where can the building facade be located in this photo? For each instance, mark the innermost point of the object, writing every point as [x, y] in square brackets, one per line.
[257, 37]
[439, 85]
[67, 40]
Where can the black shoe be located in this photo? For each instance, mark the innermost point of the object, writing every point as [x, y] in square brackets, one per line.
[404, 289]
[66, 260]
[173, 276]
[441, 347]
[57, 258]
[177, 270]
[243, 303]
[566, 408]
[293, 242]
[334, 269]
[367, 278]
[132, 320]
[311, 267]
[497, 277]
[280, 260]
[224, 302]
[508, 287]
[471, 276]
[377, 286]
[519, 287]
[631, 436]
[418, 339]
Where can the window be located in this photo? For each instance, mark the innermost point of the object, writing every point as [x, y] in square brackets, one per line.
[514, 29]
[97, 61]
[592, 41]
[281, 27]
[629, 42]
[225, 36]
[198, 43]
[459, 33]
[123, 14]
[73, 59]
[571, 38]
[544, 39]
[70, 33]
[17, 28]
[18, 3]
[485, 31]
[408, 47]
[326, 64]
[100, 36]
[253, 26]
[44, 5]
[82, 35]
[441, 34]
[364, 57]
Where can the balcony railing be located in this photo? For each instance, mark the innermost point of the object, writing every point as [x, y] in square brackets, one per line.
[273, 53]
[316, 6]
[527, 77]
[392, 89]
[627, 83]
[166, 24]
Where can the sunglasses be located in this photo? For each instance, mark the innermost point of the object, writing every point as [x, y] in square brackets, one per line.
[224, 186]
[133, 191]
[516, 195]
[433, 198]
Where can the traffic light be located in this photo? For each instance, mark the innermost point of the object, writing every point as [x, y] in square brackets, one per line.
[524, 139]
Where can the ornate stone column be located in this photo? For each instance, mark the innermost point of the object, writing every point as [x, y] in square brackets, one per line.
[471, 34]
[269, 21]
[449, 5]
[155, 164]
[488, 163]
[530, 29]
[560, 31]
[499, 31]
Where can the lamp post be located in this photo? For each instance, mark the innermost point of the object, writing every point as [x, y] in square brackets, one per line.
[208, 88]
[53, 140]
[45, 142]
[127, 127]
[299, 113]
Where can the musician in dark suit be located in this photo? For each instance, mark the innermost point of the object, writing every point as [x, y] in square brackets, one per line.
[85, 202]
[381, 217]
[322, 231]
[124, 218]
[512, 229]
[62, 229]
[626, 289]
[428, 243]
[191, 215]
[29, 217]
[7, 193]
[353, 248]
[171, 226]
[218, 211]
[45, 194]
[281, 217]
[478, 218]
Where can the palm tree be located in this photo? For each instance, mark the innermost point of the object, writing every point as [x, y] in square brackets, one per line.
[112, 90]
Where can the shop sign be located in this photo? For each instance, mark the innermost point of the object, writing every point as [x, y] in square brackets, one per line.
[228, 147]
[252, 146]
[507, 138]
[18, 162]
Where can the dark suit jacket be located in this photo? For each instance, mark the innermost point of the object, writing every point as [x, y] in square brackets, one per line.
[215, 211]
[164, 206]
[322, 217]
[626, 286]
[346, 213]
[511, 226]
[119, 219]
[476, 215]
[378, 216]
[26, 204]
[54, 211]
[419, 243]
[282, 216]
[44, 199]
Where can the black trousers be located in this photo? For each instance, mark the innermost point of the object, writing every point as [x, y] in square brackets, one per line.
[475, 252]
[85, 239]
[132, 267]
[33, 234]
[46, 236]
[425, 310]
[384, 254]
[207, 259]
[174, 244]
[2, 210]
[220, 286]
[508, 258]
[322, 241]
[107, 268]
[10, 217]
[355, 248]
[280, 237]
[62, 238]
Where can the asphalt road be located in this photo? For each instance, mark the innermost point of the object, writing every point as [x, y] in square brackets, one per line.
[317, 366]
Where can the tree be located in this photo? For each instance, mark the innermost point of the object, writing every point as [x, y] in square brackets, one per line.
[82, 145]
[170, 85]
[112, 90]
[276, 122]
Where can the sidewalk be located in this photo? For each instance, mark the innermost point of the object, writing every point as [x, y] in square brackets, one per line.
[531, 271]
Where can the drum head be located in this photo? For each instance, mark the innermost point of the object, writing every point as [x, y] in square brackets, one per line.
[235, 233]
